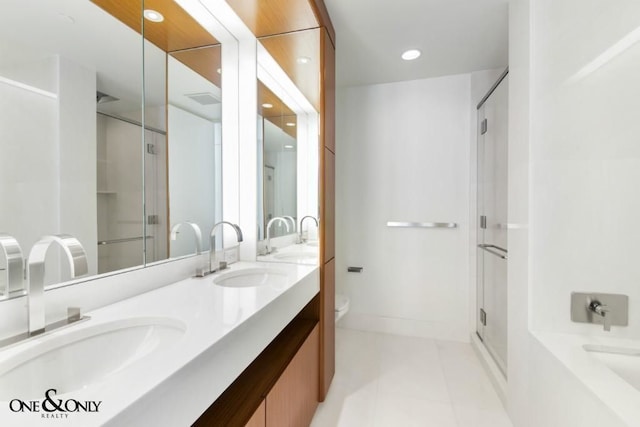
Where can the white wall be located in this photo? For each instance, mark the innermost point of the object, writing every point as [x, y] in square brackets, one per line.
[574, 169]
[403, 155]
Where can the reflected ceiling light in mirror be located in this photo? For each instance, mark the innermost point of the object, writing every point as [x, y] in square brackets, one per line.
[290, 124]
[219, 70]
[153, 15]
[411, 54]
[303, 60]
[267, 105]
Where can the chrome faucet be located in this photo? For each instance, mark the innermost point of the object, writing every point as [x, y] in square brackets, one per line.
[198, 236]
[302, 220]
[77, 259]
[603, 311]
[15, 264]
[274, 219]
[293, 221]
[212, 242]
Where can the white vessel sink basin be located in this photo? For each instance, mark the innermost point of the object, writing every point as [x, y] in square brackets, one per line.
[295, 256]
[625, 362]
[72, 360]
[252, 277]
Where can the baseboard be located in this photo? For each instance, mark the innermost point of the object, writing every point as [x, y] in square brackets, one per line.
[406, 327]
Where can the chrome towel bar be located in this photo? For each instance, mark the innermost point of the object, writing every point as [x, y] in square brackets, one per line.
[129, 239]
[490, 249]
[404, 224]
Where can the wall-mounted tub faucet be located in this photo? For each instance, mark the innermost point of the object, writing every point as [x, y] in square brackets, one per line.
[302, 220]
[198, 237]
[15, 264]
[212, 242]
[605, 309]
[269, 224]
[77, 259]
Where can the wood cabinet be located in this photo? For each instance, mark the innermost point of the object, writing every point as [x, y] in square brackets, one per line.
[293, 399]
[280, 387]
[258, 419]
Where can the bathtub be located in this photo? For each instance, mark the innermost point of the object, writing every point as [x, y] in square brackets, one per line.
[608, 367]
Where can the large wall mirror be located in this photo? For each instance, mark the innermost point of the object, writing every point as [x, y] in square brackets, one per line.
[109, 136]
[288, 102]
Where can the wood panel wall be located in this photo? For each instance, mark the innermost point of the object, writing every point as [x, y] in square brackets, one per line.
[327, 215]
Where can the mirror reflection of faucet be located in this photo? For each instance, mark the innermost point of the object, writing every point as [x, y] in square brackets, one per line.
[15, 265]
[273, 220]
[213, 259]
[301, 238]
[292, 220]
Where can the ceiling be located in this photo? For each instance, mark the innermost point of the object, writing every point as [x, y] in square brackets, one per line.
[455, 36]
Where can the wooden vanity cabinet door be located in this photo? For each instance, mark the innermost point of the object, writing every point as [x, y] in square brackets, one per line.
[258, 419]
[294, 398]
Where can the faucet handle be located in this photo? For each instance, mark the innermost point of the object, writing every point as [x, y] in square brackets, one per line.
[603, 311]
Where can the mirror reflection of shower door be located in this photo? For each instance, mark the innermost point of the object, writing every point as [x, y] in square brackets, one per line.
[492, 224]
[269, 194]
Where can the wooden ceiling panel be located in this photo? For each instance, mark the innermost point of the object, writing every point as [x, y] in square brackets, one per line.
[178, 30]
[205, 61]
[268, 17]
[279, 114]
[288, 49]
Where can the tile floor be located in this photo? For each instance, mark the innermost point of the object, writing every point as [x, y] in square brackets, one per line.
[393, 381]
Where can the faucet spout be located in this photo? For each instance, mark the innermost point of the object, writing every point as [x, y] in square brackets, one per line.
[212, 240]
[77, 259]
[273, 220]
[293, 221]
[302, 220]
[198, 236]
[15, 264]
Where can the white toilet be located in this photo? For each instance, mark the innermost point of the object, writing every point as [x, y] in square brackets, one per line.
[342, 306]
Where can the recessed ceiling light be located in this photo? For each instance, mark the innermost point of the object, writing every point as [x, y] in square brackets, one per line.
[153, 15]
[303, 60]
[219, 70]
[288, 146]
[267, 105]
[290, 124]
[411, 54]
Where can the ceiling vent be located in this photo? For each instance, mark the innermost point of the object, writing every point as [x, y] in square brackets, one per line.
[204, 98]
[102, 98]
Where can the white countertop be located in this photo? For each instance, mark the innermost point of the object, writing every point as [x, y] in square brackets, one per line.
[290, 251]
[225, 329]
[616, 393]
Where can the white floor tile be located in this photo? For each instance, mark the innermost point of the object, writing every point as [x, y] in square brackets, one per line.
[347, 406]
[478, 417]
[394, 410]
[467, 381]
[394, 381]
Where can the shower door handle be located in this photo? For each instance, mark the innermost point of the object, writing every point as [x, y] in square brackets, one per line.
[492, 249]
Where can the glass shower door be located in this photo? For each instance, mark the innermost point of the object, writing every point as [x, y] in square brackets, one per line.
[492, 225]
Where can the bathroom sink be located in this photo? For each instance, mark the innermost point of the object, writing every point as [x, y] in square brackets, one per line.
[625, 362]
[252, 277]
[295, 256]
[72, 360]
